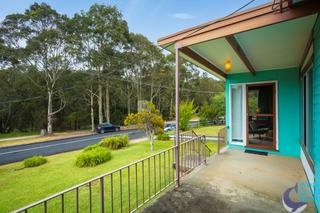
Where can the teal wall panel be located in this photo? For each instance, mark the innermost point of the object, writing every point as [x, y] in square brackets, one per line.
[316, 111]
[289, 118]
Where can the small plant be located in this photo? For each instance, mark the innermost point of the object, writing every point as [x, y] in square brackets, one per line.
[163, 137]
[93, 156]
[116, 142]
[34, 161]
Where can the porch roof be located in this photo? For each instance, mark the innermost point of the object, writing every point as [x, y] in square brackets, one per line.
[260, 38]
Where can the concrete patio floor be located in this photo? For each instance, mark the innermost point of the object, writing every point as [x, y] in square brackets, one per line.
[234, 181]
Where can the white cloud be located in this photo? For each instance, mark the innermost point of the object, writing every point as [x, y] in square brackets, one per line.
[182, 16]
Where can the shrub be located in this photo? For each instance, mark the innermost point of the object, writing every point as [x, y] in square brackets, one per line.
[116, 142]
[187, 111]
[160, 131]
[93, 156]
[163, 137]
[91, 147]
[34, 161]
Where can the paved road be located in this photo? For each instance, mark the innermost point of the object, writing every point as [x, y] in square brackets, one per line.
[21, 152]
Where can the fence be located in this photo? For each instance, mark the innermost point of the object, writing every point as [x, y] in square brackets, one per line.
[130, 187]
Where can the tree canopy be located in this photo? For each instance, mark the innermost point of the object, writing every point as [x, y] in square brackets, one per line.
[61, 73]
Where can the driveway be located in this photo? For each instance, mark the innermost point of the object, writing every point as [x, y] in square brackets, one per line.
[21, 152]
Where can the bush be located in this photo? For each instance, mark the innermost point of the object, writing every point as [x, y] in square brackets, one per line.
[91, 147]
[163, 137]
[34, 161]
[93, 156]
[187, 111]
[160, 131]
[116, 142]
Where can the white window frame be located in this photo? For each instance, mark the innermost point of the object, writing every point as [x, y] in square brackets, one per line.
[244, 112]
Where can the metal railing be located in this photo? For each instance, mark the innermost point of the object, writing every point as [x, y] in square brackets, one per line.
[185, 136]
[222, 140]
[127, 188]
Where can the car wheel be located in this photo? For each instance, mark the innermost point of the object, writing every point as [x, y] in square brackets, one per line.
[102, 131]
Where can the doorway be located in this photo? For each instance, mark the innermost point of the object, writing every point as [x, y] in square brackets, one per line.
[261, 116]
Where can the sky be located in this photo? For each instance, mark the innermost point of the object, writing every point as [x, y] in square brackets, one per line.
[152, 18]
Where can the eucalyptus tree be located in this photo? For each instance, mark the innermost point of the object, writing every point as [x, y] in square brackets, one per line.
[101, 35]
[146, 59]
[38, 39]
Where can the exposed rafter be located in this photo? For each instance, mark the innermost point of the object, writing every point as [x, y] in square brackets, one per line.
[204, 62]
[237, 48]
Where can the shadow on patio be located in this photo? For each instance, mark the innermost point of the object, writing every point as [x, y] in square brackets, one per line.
[234, 182]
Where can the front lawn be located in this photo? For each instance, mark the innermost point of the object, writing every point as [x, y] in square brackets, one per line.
[20, 187]
[205, 130]
[208, 130]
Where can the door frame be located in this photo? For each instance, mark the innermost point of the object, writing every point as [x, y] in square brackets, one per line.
[244, 112]
[275, 116]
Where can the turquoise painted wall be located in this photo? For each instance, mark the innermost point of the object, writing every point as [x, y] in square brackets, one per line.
[316, 111]
[288, 106]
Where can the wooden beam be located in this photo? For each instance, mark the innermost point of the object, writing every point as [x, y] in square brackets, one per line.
[249, 20]
[204, 62]
[306, 50]
[304, 69]
[237, 48]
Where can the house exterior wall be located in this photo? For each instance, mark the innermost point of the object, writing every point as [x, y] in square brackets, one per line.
[316, 111]
[288, 99]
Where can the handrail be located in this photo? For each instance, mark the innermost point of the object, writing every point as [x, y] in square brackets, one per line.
[193, 133]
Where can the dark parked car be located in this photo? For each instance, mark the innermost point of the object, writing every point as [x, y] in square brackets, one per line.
[107, 127]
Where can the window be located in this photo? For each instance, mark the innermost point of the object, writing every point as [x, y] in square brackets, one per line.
[236, 114]
[307, 113]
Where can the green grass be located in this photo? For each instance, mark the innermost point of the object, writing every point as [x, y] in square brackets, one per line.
[17, 134]
[20, 187]
[206, 130]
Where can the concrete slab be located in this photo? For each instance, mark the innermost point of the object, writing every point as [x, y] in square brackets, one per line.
[234, 182]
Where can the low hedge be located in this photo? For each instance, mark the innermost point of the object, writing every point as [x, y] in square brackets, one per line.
[116, 142]
[163, 137]
[34, 161]
[91, 147]
[92, 156]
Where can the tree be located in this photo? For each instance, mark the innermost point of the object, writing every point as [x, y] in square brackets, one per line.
[100, 35]
[39, 29]
[214, 109]
[187, 111]
[88, 67]
[147, 119]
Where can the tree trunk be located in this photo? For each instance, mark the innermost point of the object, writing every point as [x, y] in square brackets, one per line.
[151, 92]
[100, 104]
[92, 112]
[151, 142]
[129, 104]
[49, 125]
[171, 102]
[107, 104]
